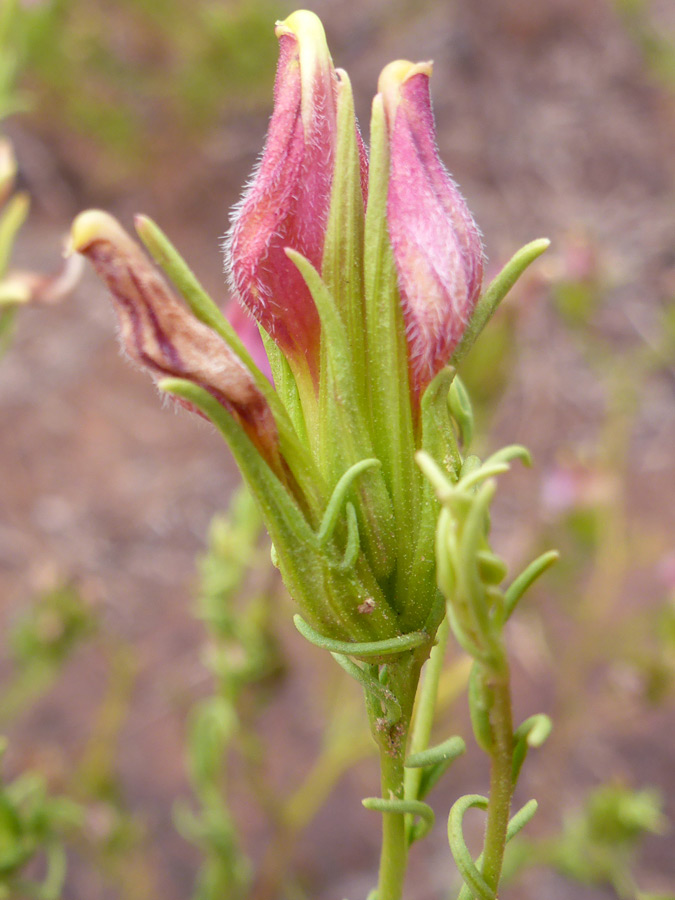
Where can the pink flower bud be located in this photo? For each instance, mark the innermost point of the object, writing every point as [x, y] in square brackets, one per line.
[436, 244]
[288, 200]
[161, 334]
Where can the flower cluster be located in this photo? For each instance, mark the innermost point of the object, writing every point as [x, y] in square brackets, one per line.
[363, 272]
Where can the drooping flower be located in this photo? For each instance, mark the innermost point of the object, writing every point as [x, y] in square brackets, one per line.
[160, 334]
[287, 202]
[436, 244]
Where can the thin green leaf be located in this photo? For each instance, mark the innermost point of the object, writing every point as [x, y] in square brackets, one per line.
[404, 808]
[497, 290]
[473, 878]
[527, 578]
[362, 650]
[372, 687]
[447, 751]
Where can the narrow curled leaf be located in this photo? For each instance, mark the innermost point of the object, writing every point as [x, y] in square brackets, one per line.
[516, 824]
[363, 650]
[531, 733]
[526, 578]
[479, 709]
[278, 508]
[448, 750]
[521, 818]
[435, 761]
[459, 403]
[495, 293]
[404, 808]
[431, 776]
[471, 542]
[346, 413]
[507, 454]
[477, 476]
[372, 687]
[473, 878]
[438, 436]
[470, 463]
[338, 498]
[439, 480]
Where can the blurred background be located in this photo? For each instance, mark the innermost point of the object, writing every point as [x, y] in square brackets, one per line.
[144, 695]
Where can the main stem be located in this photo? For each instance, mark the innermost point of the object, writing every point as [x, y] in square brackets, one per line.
[501, 773]
[392, 741]
[394, 855]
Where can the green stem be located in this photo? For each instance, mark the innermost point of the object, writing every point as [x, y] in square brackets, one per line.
[394, 855]
[392, 741]
[426, 707]
[501, 772]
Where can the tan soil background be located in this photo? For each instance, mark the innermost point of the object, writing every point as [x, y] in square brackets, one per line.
[550, 121]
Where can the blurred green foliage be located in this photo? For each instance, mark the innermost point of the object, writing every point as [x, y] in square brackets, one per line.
[91, 814]
[41, 641]
[236, 601]
[598, 843]
[656, 44]
[11, 100]
[165, 71]
[141, 76]
[47, 633]
[33, 823]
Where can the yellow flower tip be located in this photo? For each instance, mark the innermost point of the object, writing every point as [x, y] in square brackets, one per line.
[305, 26]
[90, 226]
[313, 53]
[393, 77]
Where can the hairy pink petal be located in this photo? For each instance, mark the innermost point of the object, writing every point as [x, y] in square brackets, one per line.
[248, 331]
[436, 243]
[288, 200]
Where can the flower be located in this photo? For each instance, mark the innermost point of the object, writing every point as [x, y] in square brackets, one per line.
[161, 335]
[288, 200]
[364, 302]
[436, 244]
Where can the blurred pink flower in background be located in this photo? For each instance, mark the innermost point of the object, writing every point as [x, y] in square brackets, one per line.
[248, 331]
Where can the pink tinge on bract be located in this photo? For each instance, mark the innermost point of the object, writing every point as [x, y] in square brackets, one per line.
[248, 331]
[288, 200]
[436, 244]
